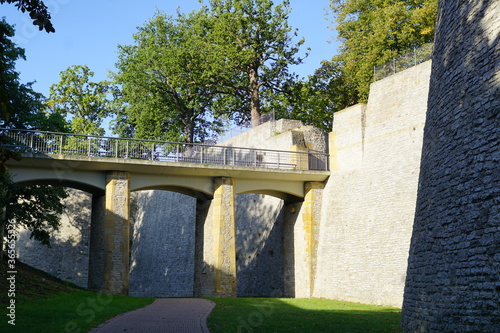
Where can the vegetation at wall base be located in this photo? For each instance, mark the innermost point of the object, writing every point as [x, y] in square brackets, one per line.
[44, 303]
[300, 315]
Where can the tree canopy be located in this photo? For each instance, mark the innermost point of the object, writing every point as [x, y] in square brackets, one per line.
[372, 32]
[36, 207]
[85, 101]
[164, 90]
[250, 46]
[186, 75]
[37, 10]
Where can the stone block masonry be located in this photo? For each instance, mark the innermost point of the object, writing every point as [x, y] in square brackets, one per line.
[453, 280]
[224, 245]
[369, 199]
[163, 238]
[68, 256]
[116, 234]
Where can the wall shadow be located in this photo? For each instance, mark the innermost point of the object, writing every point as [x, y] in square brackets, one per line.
[68, 256]
[452, 278]
[162, 244]
[259, 245]
[280, 315]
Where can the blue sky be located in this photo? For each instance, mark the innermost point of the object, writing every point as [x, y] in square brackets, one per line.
[88, 32]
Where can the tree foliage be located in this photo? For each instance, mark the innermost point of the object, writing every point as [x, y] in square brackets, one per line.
[37, 10]
[249, 47]
[164, 88]
[314, 100]
[35, 207]
[185, 76]
[86, 102]
[372, 32]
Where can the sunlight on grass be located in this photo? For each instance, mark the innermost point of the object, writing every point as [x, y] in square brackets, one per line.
[300, 315]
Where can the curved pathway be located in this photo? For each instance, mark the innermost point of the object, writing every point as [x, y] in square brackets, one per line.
[176, 315]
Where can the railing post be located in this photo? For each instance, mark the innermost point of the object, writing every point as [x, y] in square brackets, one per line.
[126, 150]
[89, 145]
[32, 140]
[61, 145]
[224, 152]
[177, 153]
[153, 151]
[201, 154]
[116, 148]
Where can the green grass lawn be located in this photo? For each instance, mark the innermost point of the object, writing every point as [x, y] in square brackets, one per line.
[74, 312]
[242, 315]
[46, 304]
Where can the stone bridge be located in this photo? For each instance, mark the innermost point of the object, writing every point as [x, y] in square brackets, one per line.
[110, 168]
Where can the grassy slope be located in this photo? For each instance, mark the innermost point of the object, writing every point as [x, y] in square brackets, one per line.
[46, 304]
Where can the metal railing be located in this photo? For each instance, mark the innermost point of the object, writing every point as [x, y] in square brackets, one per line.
[124, 148]
[412, 58]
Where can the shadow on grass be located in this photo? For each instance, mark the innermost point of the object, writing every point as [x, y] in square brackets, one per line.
[244, 315]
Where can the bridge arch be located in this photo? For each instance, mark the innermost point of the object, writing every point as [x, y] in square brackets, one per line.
[198, 187]
[97, 191]
[192, 192]
[87, 181]
[288, 191]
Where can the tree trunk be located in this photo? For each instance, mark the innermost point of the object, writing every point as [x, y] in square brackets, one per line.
[254, 98]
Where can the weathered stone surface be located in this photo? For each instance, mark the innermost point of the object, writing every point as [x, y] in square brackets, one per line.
[453, 281]
[259, 245]
[369, 200]
[162, 252]
[68, 258]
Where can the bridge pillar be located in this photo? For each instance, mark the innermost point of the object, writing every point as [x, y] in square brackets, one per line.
[301, 241]
[224, 237]
[110, 237]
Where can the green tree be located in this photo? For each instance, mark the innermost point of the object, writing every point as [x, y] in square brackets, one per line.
[314, 100]
[86, 102]
[37, 10]
[249, 48]
[165, 93]
[35, 207]
[372, 32]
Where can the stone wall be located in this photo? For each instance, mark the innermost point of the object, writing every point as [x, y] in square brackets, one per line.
[350, 242]
[68, 258]
[369, 199]
[259, 245]
[162, 250]
[453, 281]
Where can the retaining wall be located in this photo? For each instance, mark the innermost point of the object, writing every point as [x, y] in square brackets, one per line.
[453, 281]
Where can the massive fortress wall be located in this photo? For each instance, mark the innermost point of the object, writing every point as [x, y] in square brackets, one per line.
[369, 200]
[453, 281]
[355, 248]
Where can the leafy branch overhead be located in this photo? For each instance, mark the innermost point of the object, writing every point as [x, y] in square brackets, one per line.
[37, 10]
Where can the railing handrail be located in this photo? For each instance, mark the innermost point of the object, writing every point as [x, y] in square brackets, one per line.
[160, 141]
[128, 148]
[412, 57]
